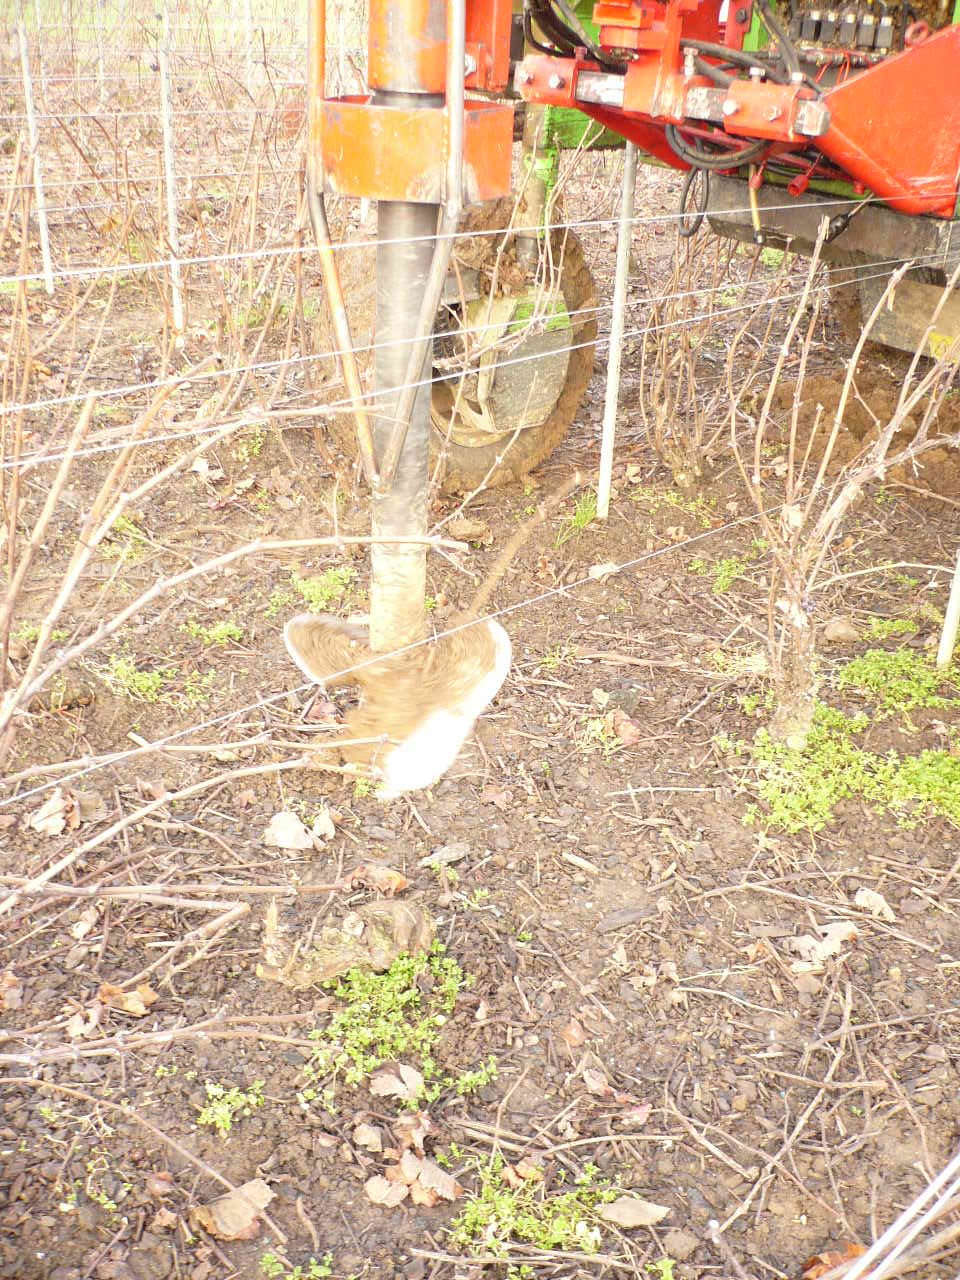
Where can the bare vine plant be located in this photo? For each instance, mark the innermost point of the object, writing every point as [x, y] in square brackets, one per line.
[682, 410]
[792, 474]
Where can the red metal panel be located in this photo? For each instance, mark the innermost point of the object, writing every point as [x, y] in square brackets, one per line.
[398, 153]
[488, 42]
[896, 127]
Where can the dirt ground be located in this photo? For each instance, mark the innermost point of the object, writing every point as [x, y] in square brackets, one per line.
[626, 934]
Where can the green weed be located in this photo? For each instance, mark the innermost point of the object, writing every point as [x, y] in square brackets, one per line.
[274, 1269]
[326, 588]
[225, 1107]
[597, 735]
[771, 258]
[584, 514]
[886, 628]
[29, 633]
[500, 1213]
[702, 509]
[218, 633]
[126, 542]
[396, 1015]
[249, 446]
[124, 678]
[899, 680]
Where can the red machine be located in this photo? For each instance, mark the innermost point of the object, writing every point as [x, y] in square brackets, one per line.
[793, 114]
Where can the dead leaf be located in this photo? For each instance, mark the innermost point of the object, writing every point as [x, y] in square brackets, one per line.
[875, 903]
[596, 1082]
[841, 631]
[412, 1128]
[369, 1137]
[244, 799]
[423, 1196]
[163, 1220]
[637, 1116]
[85, 924]
[136, 1002]
[821, 1263]
[388, 1194]
[286, 831]
[235, 1216]
[600, 572]
[11, 990]
[433, 1178]
[374, 876]
[55, 815]
[150, 790]
[815, 951]
[626, 729]
[405, 1083]
[408, 1170]
[573, 1034]
[469, 530]
[496, 796]
[322, 825]
[84, 1022]
[159, 1184]
[630, 1211]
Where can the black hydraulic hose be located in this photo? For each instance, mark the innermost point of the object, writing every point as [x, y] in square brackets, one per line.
[688, 226]
[735, 58]
[553, 29]
[713, 73]
[787, 48]
[528, 35]
[573, 24]
[717, 160]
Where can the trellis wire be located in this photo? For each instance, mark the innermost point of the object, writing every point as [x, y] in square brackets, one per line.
[341, 405]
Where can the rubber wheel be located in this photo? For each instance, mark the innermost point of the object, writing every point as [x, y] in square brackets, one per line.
[460, 467]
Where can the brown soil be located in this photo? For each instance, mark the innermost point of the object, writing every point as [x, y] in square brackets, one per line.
[626, 933]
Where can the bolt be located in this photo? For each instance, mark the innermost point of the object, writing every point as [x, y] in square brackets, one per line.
[527, 77]
[774, 114]
[756, 73]
[556, 82]
[731, 107]
[796, 77]
[469, 64]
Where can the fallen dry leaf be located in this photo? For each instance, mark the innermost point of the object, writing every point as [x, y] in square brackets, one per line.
[85, 924]
[423, 1196]
[163, 1220]
[573, 1034]
[875, 903]
[636, 1116]
[244, 799]
[433, 1178]
[821, 1263]
[159, 1184]
[235, 1216]
[405, 1083]
[630, 1211]
[84, 1022]
[322, 825]
[11, 990]
[496, 796]
[469, 530]
[841, 631]
[55, 815]
[372, 875]
[600, 572]
[388, 1194]
[626, 729]
[412, 1128]
[369, 1137]
[136, 1002]
[286, 831]
[815, 951]
[596, 1082]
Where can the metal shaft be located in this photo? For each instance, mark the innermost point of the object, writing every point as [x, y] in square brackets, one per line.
[398, 585]
[612, 400]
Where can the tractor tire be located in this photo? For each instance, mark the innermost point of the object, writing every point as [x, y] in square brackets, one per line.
[461, 467]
